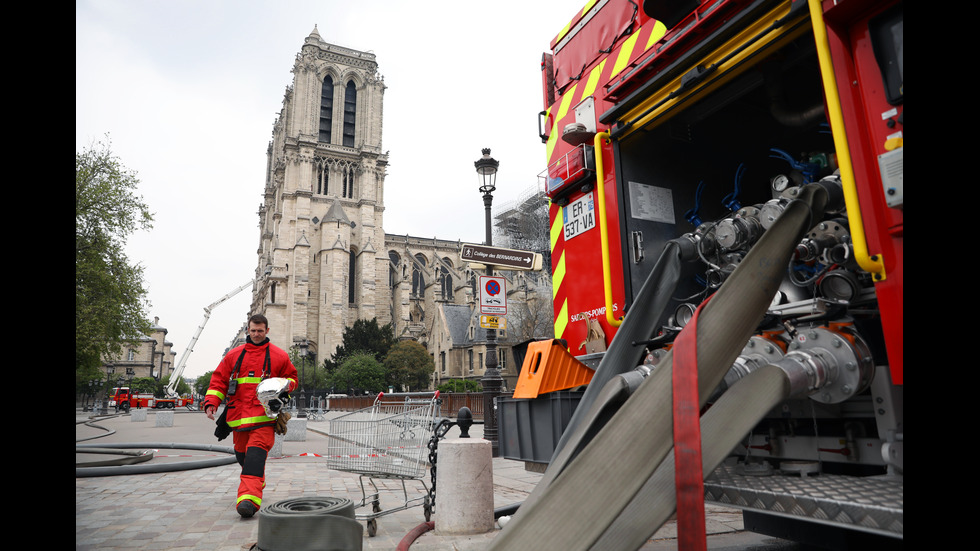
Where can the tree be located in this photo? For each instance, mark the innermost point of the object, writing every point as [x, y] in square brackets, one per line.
[363, 337]
[460, 385]
[181, 389]
[148, 385]
[311, 377]
[408, 364]
[110, 297]
[359, 372]
[202, 383]
[531, 315]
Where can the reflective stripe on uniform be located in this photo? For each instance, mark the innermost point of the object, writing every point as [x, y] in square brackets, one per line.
[219, 394]
[250, 421]
[254, 499]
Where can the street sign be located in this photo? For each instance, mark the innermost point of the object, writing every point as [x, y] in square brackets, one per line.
[493, 295]
[493, 322]
[509, 259]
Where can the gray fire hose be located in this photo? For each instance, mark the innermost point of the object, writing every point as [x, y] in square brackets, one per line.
[310, 524]
[613, 467]
[722, 427]
[81, 472]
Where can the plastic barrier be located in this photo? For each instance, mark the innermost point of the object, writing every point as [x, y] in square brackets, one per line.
[549, 367]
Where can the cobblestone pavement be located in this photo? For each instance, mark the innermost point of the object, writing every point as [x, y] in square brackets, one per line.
[189, 509]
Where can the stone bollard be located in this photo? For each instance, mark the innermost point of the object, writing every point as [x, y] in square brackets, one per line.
[165, 419]
[276, 451]
[296, 430]
[464, 479]
[137, 415]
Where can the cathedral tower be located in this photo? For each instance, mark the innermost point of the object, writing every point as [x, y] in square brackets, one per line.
[322, 262]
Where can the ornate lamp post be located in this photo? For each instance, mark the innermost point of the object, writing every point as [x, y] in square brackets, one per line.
[304, 349]
[486, 170]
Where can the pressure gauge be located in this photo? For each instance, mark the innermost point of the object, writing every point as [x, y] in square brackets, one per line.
[780, 182]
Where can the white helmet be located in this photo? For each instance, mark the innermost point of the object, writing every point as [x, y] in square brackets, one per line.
[273, 393]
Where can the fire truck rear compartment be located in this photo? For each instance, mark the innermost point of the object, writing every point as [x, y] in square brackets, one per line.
[708, 157]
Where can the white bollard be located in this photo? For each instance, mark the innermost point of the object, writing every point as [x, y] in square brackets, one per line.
[464, 486]
[165, 418]
[137, 415]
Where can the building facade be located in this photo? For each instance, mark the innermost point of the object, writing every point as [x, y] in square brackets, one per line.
[324, 260]
[150, 356]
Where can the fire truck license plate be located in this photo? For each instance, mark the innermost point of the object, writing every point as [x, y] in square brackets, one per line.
[579, 216]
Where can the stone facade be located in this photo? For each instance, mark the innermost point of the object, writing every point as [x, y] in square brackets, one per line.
[321, 258]
[324, 259]
[152, 356]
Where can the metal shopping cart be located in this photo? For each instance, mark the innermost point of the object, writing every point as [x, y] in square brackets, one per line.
[389, 440]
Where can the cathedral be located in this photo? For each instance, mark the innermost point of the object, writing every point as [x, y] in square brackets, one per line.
[324, 259]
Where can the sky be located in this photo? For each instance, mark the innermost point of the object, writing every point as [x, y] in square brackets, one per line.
[186, 92]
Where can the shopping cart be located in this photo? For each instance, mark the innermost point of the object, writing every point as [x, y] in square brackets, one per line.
[389, 440]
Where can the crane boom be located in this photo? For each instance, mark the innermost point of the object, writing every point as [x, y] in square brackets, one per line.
[179, 370]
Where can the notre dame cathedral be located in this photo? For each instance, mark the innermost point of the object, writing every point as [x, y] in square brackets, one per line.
[324, 259]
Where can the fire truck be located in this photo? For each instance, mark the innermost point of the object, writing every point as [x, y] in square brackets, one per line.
[726, 188]
[123, 399]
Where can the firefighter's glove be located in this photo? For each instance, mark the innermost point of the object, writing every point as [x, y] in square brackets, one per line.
[282, 421]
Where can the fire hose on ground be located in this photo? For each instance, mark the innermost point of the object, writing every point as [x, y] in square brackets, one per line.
[124, 469]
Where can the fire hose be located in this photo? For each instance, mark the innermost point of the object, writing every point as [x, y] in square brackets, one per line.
[310, 524]
[122, 469]
[554, 516]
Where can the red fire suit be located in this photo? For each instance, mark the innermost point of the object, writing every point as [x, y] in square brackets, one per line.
[235, 380]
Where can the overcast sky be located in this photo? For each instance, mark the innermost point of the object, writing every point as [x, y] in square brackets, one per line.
[188, 90]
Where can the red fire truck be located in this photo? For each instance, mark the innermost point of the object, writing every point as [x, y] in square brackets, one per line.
[726, 186]
[123, 399]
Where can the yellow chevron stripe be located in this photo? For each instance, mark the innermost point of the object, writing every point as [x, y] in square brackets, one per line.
[563, 107]
[561, 322]
[593, 81]
[556, 229]
[625, 52]
[659, 30]
[558, 276]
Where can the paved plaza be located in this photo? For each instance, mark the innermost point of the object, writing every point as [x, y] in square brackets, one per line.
[185, 509]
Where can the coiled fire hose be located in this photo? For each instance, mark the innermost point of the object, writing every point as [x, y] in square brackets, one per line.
[309, 524]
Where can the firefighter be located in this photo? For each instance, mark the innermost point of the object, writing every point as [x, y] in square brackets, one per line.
[235, 381]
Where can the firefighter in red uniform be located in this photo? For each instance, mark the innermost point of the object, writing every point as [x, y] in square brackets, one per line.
[235, 380]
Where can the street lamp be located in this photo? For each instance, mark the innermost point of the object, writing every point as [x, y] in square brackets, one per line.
[486, 170]
[304, 348]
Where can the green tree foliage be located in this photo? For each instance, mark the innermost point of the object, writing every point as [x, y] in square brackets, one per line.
[202, 383]
[360, 372]
[311, 376]
[110, 297]
[460, 385]
[363, 337]
[409, 366]
[148, 385]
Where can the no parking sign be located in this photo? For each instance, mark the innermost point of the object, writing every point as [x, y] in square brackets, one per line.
[493, 295]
